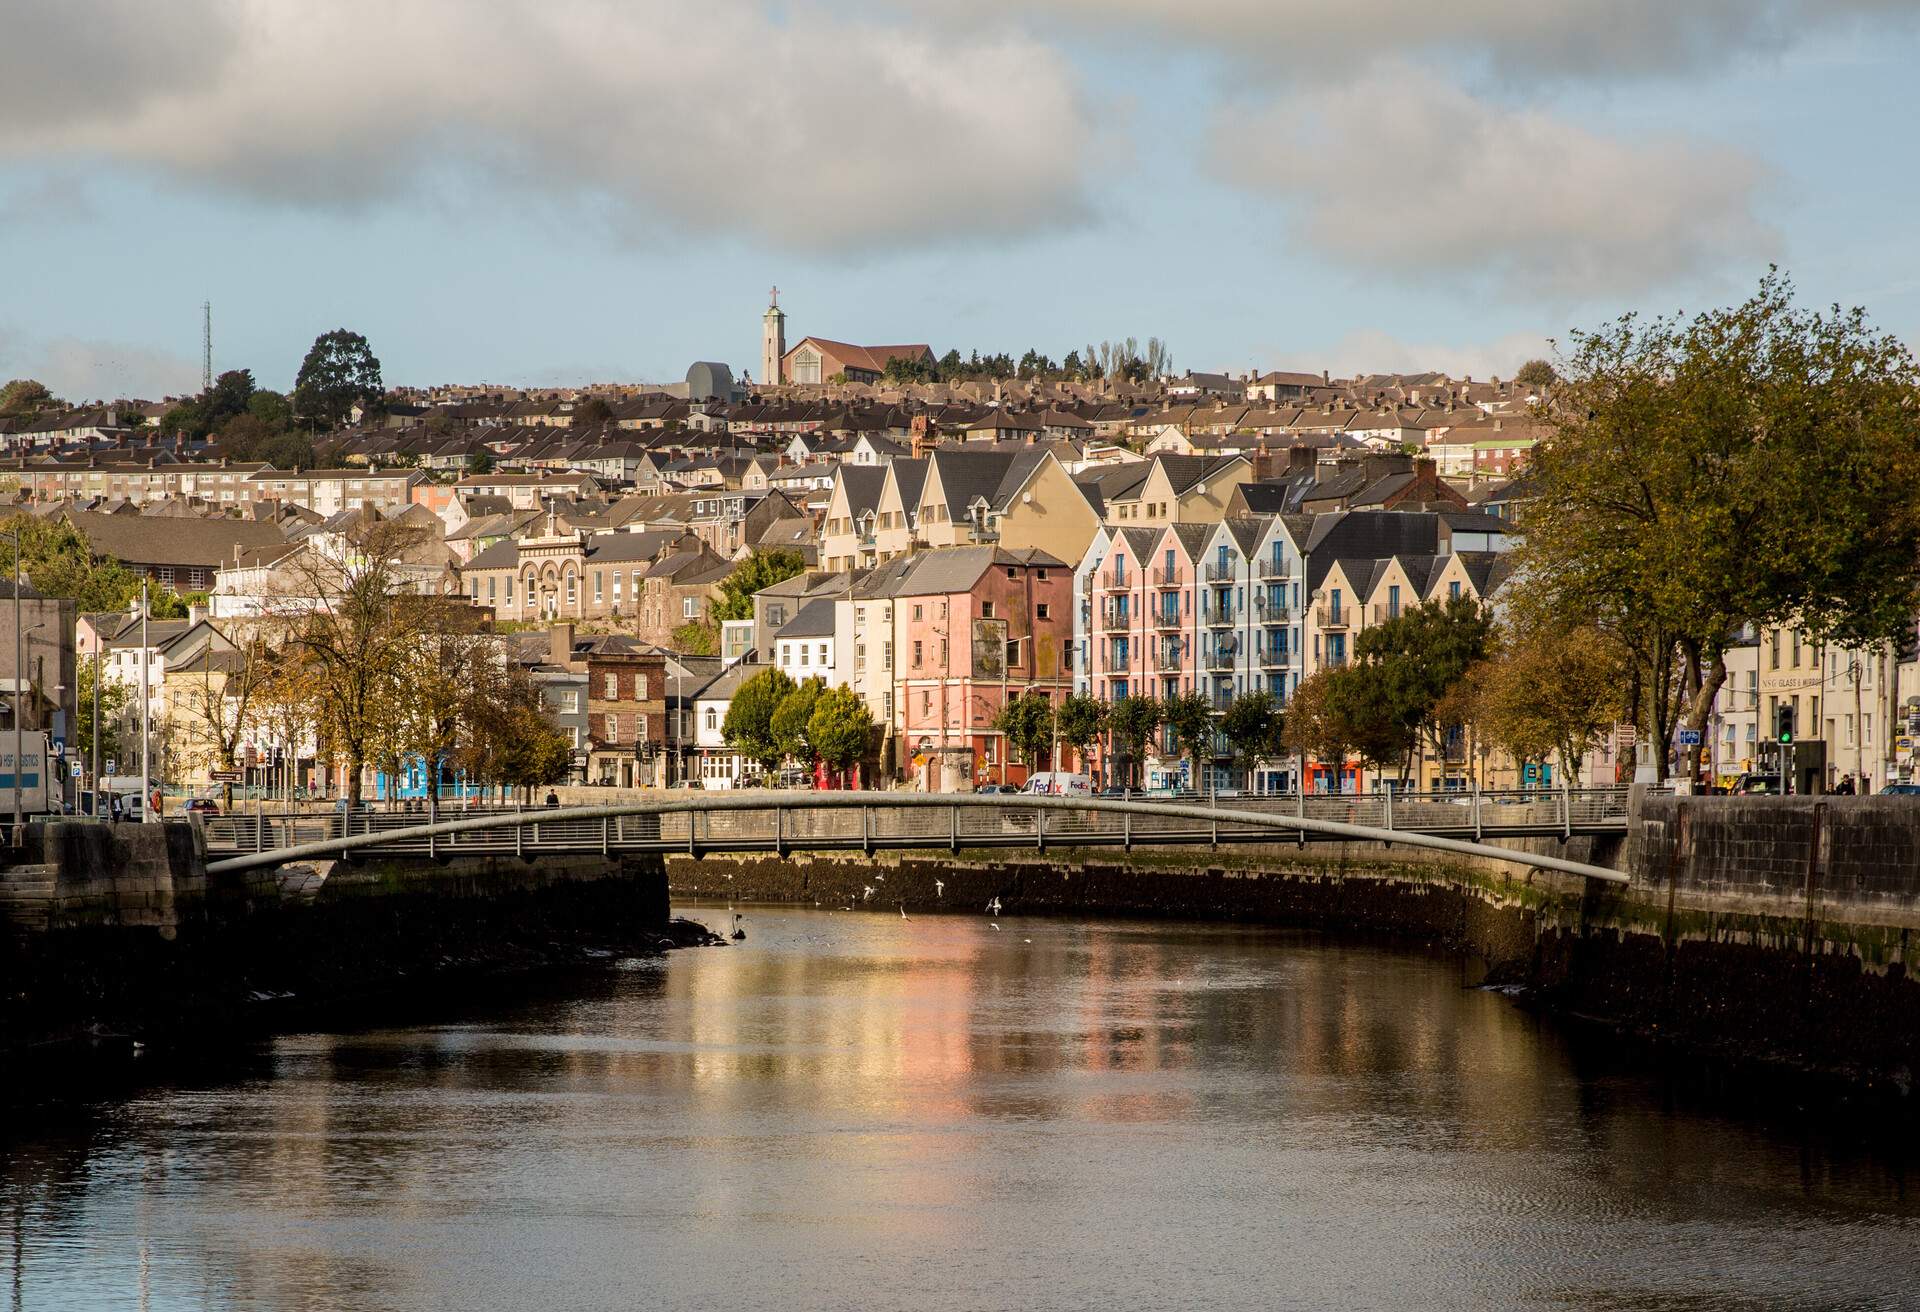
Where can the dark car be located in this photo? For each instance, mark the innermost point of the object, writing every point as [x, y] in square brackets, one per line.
[202, 806]
[1757, 785]
[1901, 790]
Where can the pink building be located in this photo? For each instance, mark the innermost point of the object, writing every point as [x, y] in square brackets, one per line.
[971, 627]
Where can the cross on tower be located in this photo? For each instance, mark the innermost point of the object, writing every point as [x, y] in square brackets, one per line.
[775, 294]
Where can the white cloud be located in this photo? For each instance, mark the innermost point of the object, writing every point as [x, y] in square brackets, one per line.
[1522, 40]
[1400, 173]
[797, 129]
[80, 369]
[1370, 351]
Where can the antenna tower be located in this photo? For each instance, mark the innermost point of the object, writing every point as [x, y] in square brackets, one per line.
[206, 346]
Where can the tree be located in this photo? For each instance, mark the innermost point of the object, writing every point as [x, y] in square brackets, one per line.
[695, 638]
[58, 561]
[1253, 726]
[1536, 374]
[1407, 664]
[1081, 720]
[350, 614]
[339, 372]
[1752, 466]
[25, 396]
[217, 705]
[790, 719]
[506, 737]
[1190, 716]
[841, 729]
[113, 701]
[1027, 722]
[593, 410]
[271, 408]
[1133, 721]
[748, 728]
[480, 462]
[1072, 367]
[1550, 694]
[1338, 714]
[761, 569]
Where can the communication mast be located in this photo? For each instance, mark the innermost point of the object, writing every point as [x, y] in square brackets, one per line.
[206, 346]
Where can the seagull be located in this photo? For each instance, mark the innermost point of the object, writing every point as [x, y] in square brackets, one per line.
[939, 888]
[993, 907]
[866, 893]
[881, 878]
[903, 913]
[995, 926]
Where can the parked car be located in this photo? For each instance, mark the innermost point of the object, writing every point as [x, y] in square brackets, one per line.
[1756, 785]
[202, 806]
[996, 789]
[1901, 790]
[1060, 783]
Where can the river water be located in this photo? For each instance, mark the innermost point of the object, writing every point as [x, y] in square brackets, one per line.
[860, 1111]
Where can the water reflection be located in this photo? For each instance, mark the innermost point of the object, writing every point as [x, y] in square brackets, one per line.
[856, 1111]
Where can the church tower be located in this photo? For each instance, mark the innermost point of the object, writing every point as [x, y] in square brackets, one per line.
[773, 341]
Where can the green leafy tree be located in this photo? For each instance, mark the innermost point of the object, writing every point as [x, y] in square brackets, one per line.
[1190, 716]
[479, 462]
[1133, 721]
[1072, 366]
[841, 729]
[1081, 721]
[593, 410]
[748, 728]
[58, 561]
[25, 396]
[1536, 374]
[1752, 466]
[695, 638]
[1407, 664]
[761, 569]
[271, 408]
[340, 371]
[1027, 722]
[113, 702]
[1253, 726]
[791, 719]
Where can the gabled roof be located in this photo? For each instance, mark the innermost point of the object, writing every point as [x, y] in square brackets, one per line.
[813, 620]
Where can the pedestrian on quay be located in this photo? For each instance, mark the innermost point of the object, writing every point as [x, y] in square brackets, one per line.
[553, 798]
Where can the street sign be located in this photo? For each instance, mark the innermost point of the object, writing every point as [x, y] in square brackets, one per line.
[1688, 737]
[76, 767]
[113, 766]
[226, 776]
[59, 746]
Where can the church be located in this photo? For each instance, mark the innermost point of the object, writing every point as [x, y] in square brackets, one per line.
[819, 359]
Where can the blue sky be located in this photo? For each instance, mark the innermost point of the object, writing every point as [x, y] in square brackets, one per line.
[583, 190]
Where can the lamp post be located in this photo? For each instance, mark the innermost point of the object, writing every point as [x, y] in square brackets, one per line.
[146, 740]
[18, 670]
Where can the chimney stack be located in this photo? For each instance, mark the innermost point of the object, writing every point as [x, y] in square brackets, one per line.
[560, 643]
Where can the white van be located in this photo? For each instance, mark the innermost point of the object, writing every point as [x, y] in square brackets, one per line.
[1059, 785]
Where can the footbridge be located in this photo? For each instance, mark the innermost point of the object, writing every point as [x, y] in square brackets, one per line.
[782, 822]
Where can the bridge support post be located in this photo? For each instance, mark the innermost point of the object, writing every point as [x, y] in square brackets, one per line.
[606, 835]
[1040, 830]
[520, 840]
[1390, 791]
[1126, 831]
[1476, 810]
[779, 831]
[1300, 834]
[866, 830]
[953, 828]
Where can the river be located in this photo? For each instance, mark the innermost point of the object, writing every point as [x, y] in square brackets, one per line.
[859, 1111]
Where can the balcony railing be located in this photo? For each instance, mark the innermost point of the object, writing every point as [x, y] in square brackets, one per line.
[1381, 612]
[1276, 569]
[1168, 658]
[1220, 617]
[1274, 612]
[1166, 619]
[1220, 658]
[1118, 663]
[1112, 582]
[1328, 617]
[1218, 573]
[1166, 578]
[1275, 658]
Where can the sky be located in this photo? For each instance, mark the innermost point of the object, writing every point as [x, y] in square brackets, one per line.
[554, 192]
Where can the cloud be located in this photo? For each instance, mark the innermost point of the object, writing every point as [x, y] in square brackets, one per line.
[1522, 40]
[798, 129]
[1370, 351]
[81, 369]
[1400, 173]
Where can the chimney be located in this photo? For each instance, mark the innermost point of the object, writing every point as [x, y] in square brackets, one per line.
[195, 614]
[1325, 377]
[560, 644]
[1423, 468]
[1380, 465]
[1301, 459]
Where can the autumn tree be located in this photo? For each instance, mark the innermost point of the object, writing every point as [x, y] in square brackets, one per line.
[26, 396]
[1535, 374]
[1752, 466]
[1547, 695]
[218, 706]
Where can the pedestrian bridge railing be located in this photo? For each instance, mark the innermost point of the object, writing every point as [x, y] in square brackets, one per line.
[783, 821]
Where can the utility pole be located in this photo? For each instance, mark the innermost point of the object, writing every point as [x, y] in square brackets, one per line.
[18, 671]
[206, 346]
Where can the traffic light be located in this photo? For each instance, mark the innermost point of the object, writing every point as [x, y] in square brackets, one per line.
[1785, 729]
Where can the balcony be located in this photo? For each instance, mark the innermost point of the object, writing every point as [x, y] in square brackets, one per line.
[1220, 658]
[1327, 617]
[1218, 573]
[1112, 582]
[1275, 658]
[1166, 578]
[1112, 617]
[1168, 658]
[1220, 617]
[1221, 701]
[1276, 569]
[1380, 613]
[1118, 663]
[1165, 619]
[1274, 612]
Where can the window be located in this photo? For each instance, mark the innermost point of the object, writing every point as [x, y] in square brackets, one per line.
[916, 615]
[803, 653]
[986, 610]
[823, 654]
[776, 614]
[613, 687]
[599, 579]
[886, 655]
[1169, 565]
[689, 608]
[1041, 574]
[713, 718]
[613, 728]
[1013, 653]
[1043, 610]
[916, 653]
[1453, 590]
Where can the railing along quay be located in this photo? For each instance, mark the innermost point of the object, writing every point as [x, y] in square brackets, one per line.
[781, 821]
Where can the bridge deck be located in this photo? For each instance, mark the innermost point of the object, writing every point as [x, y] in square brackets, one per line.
[783, 821]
